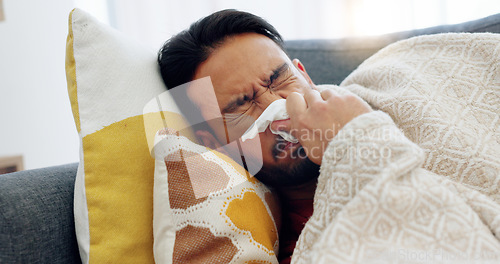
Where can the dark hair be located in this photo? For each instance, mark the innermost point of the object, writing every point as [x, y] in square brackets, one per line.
[181, 55]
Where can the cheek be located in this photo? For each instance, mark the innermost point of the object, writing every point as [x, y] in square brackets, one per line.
[220, 132]
[255, 153]
[267, 142]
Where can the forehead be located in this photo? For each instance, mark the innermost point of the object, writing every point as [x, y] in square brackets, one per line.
[240, 63]
[244, 52]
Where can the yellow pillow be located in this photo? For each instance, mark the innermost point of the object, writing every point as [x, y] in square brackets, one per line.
[110, 80]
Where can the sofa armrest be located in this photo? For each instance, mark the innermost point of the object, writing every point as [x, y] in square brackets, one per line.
[329, 61]
[36, 216]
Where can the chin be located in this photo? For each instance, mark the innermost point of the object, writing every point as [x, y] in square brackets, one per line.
[291, 171]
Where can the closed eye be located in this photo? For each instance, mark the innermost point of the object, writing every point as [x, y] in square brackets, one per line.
[235, 105]
[236, 117]
[277, 77]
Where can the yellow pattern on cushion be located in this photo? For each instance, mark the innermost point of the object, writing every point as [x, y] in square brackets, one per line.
[118, 209]
[264, 231]
[120, 195]
[71, 73]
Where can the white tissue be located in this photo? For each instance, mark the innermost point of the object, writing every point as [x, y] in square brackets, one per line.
[275, 111]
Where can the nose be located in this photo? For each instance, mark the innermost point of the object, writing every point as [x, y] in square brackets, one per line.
[268, 98]
[281, 125]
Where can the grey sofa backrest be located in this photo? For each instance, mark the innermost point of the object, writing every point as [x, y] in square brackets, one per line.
[36, 216]
[330, 61]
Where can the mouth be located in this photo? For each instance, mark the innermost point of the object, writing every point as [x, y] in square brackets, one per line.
[289, 145]
[283, 148]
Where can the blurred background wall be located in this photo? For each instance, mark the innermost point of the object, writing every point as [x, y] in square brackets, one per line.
[153, 21]
[35, 115]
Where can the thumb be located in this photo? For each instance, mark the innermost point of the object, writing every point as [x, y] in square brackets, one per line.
[295, 104]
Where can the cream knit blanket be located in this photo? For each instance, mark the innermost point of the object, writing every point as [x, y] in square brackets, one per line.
[419, 180]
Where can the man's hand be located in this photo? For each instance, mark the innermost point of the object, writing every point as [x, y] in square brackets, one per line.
[317, 117]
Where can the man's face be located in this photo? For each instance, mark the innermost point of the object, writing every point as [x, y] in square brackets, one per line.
[248, 72]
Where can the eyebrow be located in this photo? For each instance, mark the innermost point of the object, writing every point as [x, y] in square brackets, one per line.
[277, 72]
[275, 75]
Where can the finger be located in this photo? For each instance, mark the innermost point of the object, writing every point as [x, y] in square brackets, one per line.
[312, 96]
[295, 104]
[327, 93]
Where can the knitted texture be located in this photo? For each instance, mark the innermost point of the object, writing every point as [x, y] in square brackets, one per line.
[420, 182]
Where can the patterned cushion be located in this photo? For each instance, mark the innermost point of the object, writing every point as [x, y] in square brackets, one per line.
[207, 209]
[110, 80]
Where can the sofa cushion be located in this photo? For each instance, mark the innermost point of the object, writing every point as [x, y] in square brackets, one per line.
[36, 216]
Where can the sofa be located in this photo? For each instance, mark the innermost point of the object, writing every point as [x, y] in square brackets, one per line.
[36, 206]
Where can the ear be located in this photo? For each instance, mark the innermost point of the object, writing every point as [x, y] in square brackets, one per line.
[302, 70]
[208, 140]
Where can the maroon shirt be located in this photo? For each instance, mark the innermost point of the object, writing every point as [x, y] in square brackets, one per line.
[295, 215]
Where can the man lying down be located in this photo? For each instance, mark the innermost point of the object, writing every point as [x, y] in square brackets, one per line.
[400, 163]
